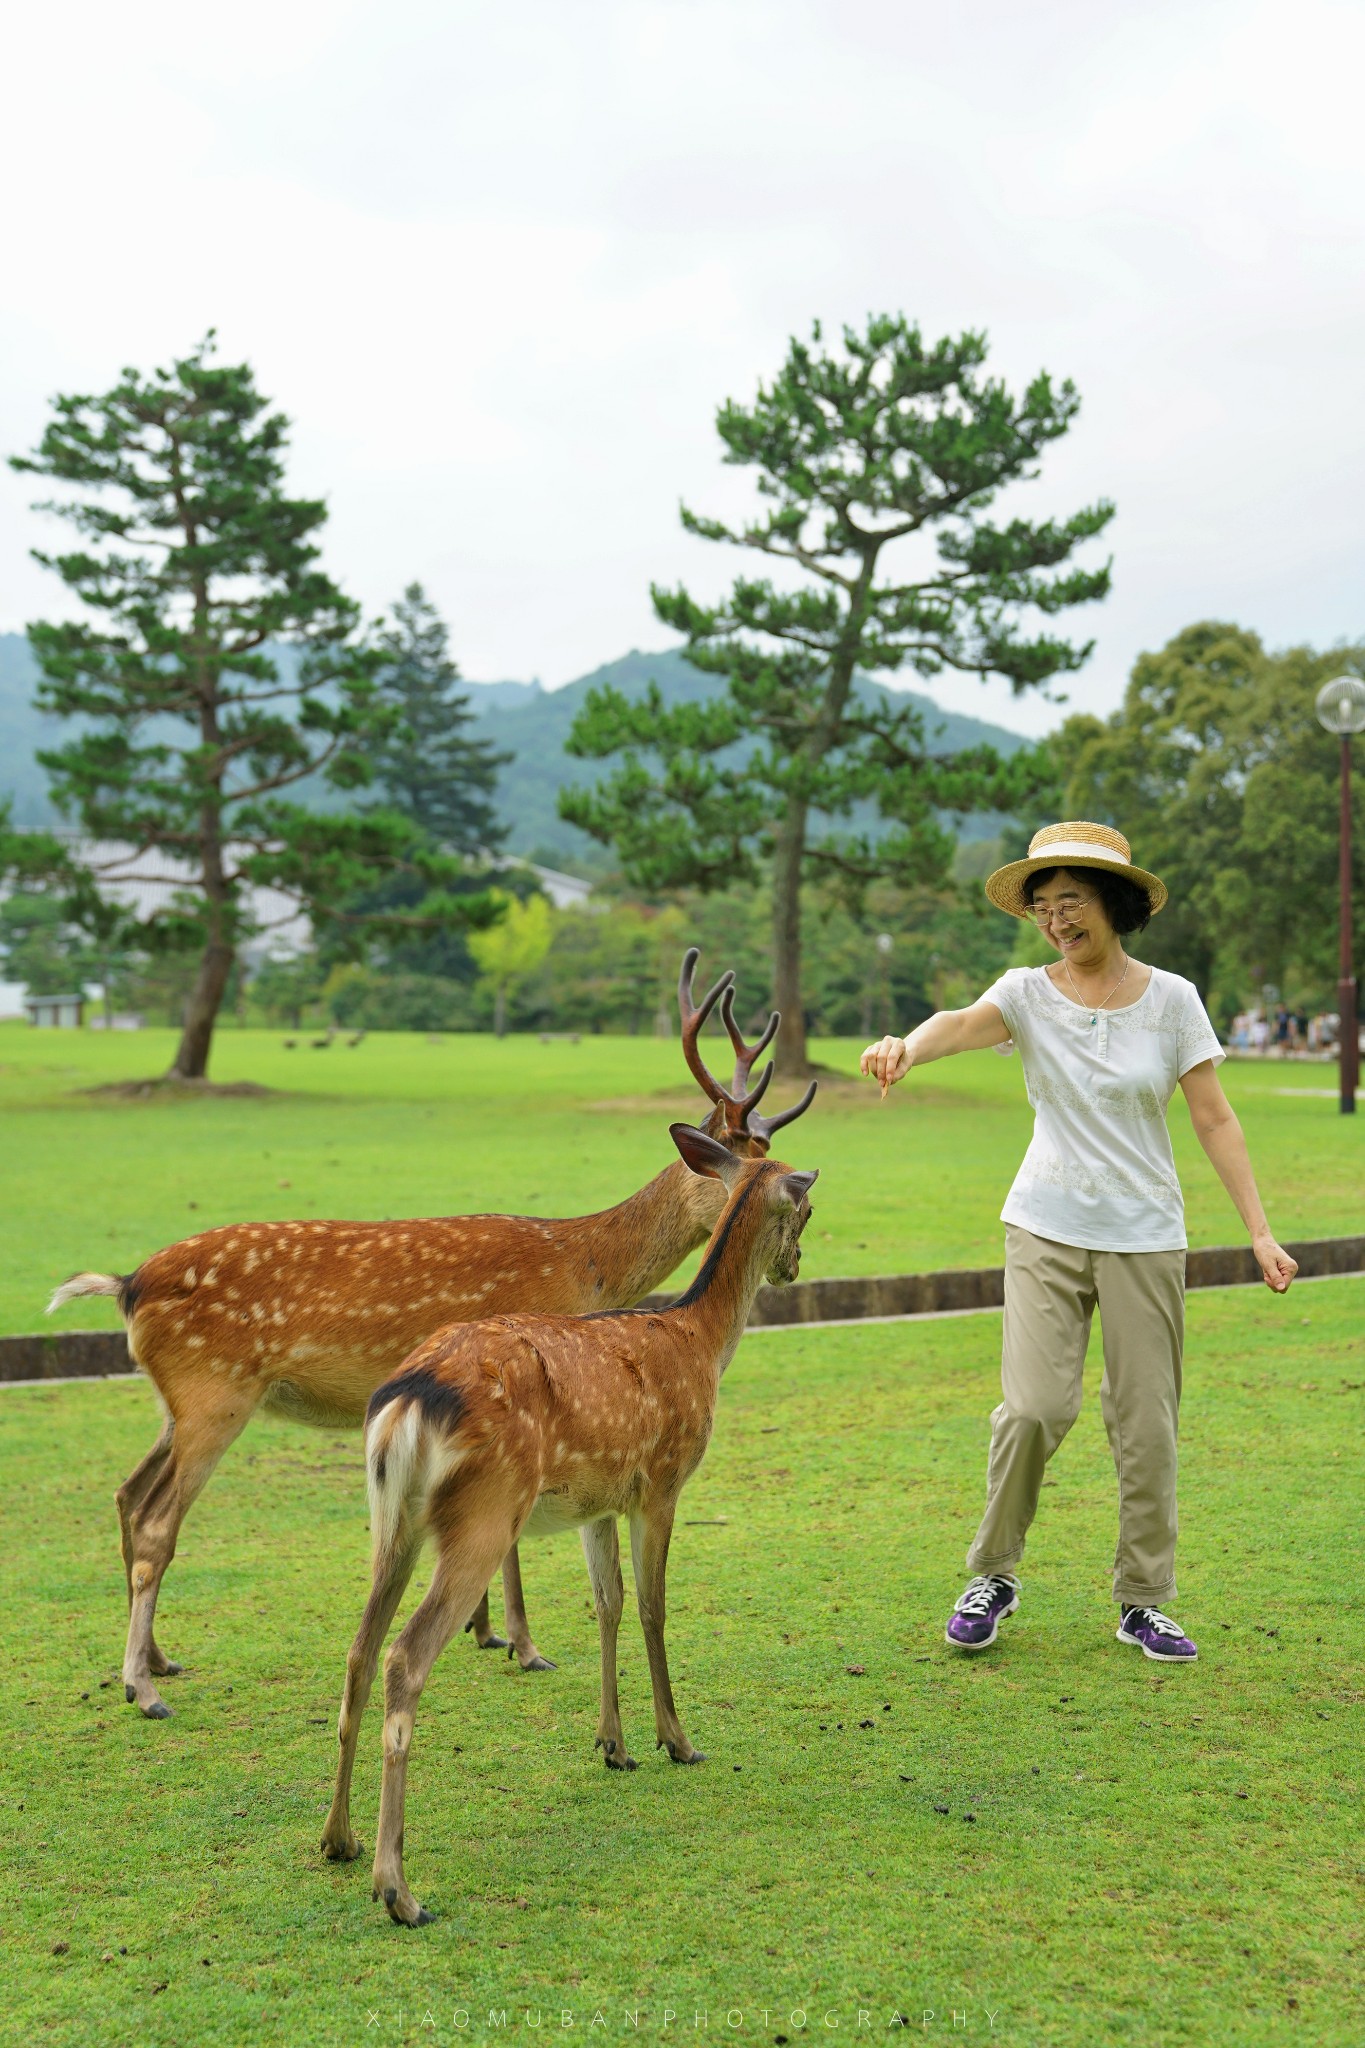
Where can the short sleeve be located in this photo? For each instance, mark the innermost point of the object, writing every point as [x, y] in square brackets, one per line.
[1195, 1038]
[1005, 995]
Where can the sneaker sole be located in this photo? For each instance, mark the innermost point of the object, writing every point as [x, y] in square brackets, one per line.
[986, 1641]
[1121, 1635]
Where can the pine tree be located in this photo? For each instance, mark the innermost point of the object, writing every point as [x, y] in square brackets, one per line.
[425, 763]
[887, 441]
[222, 669]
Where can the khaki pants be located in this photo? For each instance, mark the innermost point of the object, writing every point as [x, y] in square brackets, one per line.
[1051, 1291]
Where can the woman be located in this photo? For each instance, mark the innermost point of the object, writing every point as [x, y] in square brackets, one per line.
[1095, 1215]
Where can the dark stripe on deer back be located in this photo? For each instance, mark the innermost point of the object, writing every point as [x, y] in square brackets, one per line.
[711, 1263]
[441, 1401]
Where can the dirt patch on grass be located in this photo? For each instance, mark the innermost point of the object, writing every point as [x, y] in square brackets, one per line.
[172, 1088]
[670, 1102]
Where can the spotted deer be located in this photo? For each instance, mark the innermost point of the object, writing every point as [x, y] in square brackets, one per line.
[526, 1425]
[307, 1319]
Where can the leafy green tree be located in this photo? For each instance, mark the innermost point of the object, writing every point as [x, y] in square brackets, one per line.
[424, 760]
[511, 949]
[42, 948]
[1217, 770]
[283, 989]
[888, 441]
[221, 668]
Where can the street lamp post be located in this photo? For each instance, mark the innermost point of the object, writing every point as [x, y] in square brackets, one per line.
[1341, 709]
[884, 945]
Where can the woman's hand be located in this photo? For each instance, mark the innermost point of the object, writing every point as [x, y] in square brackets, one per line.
[888, 1061]
[1275, 1263]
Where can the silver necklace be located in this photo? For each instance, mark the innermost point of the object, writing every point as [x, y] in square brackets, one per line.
[1094, 1014]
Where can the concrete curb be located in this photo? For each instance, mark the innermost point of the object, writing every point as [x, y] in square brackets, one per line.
[99, 1354]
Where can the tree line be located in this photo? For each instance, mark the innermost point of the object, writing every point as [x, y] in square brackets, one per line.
[330, 760]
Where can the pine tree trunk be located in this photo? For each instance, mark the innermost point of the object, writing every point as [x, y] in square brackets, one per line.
[500, 1011]
[191, 1062]
[789, 1049]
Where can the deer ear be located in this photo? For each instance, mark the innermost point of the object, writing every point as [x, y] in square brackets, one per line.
[799, 1185]
[703, 1153]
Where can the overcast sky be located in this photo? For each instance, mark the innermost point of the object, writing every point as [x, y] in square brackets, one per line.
[500, 264]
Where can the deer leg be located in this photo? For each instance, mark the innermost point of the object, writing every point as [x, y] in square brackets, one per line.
[197, 1443]
[603, 1552]
[514, 1617]
[650, 1530]
[133, 1490]
[481, 1627]
[468, 1558]
[391, 1575]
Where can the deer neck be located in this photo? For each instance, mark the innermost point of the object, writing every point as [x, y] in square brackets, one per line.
[717, 1304]
[634, 1247]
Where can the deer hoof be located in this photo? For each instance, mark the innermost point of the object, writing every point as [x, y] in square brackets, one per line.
[341, 1850]
[164, 1667]
[613, 1755]
[538, 1663]
[403, 1908]
[694, 1756]
[153, 1708]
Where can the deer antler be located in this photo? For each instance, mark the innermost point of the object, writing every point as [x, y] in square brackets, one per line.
[764, 1126]
[745, 1055]
[740, 1107]
[694, 1015]
[744, 1104]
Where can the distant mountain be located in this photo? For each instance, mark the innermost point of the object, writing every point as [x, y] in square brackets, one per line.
[532, 724]
[523, 719]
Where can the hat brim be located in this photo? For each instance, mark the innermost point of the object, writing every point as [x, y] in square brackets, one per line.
[1005, 887]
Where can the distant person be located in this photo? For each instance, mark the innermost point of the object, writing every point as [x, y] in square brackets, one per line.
[1282, 1029]
[1095, 1216]
[1260, 1034]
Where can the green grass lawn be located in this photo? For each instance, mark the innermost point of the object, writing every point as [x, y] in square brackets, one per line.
[1093, 1850]
[403, 1126]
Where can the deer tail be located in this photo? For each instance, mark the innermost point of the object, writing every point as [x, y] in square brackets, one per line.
[412, 1444]
[86, 1283]
[392, 1475]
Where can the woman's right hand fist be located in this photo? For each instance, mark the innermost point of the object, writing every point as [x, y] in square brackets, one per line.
[887, 1061]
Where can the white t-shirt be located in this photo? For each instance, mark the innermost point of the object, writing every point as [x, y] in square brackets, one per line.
[1099, 1172]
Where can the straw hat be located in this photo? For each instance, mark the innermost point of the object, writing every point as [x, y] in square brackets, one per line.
[1074, 844]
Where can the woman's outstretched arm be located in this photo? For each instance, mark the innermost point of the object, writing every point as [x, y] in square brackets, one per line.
[1220, 1134]
[948, 1031]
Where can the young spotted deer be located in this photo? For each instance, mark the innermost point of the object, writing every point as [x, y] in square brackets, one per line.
[526, 1425]
[307, 1319]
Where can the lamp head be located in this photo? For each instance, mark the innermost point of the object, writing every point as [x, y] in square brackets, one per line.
[1340, 705]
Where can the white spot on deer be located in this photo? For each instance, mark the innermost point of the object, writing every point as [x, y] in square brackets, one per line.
[196, 1343]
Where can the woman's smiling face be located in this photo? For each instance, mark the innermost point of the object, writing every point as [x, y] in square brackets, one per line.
[1079, 931]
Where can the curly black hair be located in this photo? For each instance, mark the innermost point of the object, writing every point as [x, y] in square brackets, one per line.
[1127, 905]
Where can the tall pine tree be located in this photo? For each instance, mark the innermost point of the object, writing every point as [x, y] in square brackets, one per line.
[222, 668]
[425, 762]
[886, 441]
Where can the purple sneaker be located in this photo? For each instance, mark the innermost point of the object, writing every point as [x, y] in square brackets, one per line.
[1156, 1635]
[973, 1623]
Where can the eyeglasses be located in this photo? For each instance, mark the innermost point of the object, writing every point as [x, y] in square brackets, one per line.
[1067, 908]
